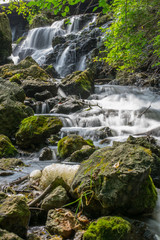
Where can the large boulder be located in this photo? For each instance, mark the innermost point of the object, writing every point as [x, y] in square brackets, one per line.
[6, 147]
[5, 38]
[15, 215]
[10, 163]
[79, 83]
[32, 77]
[117, 180]
[34, 130]
[70, 144]
[12, 109]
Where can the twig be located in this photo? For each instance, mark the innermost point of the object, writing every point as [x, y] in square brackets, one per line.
[140, 114]
[19, 180]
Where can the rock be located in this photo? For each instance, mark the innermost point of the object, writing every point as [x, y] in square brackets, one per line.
[10, 163]
[6, 147]
[12, 109]
[32, 77]
[35, 129]
[5, 38]
[70, 144]
[56, 199]
[108, 228]
[14, 215]
[82, 154]
[46, 154]
[119, 178]
[58, 40]
[40, 20]
[42, 96]
[153, 149]
[68, 106]
[50, 70]
[62, 222]
[79, 83]
[102, 19]
[4, 235]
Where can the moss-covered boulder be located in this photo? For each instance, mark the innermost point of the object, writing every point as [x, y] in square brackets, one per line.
[12, 109]
[6, 147]
[5, 235]
[14, 215]
[108, 228]
[32, 77]
[10, 163]
[79, 83]
[5, 38]
[118, 177]
[34, 130]
[70, 144]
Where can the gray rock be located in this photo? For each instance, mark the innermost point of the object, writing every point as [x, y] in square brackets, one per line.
[46, 154]
[57, 198]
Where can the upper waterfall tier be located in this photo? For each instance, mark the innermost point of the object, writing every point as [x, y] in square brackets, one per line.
[64, 45]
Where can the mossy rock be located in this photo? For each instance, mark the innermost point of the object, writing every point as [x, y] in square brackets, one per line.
[70, 144]
[10, 163]
[79, 83]
[6, 147]
[120, 179]
[5, 235]
[82, 154]
[15, 215]
[34, 130]
[5, 38]
[102, 19]
[108, 228]
[40, 20]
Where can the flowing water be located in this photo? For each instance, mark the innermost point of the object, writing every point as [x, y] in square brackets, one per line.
[111, 113]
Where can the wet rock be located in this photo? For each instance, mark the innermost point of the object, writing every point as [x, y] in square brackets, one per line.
[79, 83]
[56, 199]
[68, 106]
[5, 38]
[14, 215]
[62, 222]
[42, 96]
[35, 129]
[6, 147]
[70, 144]
[119, 178]
[5, 235]
[46, 154]
[10, 163]
[108, 228]
[58, 40]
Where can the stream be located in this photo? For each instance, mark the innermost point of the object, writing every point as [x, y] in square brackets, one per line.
[112, 113]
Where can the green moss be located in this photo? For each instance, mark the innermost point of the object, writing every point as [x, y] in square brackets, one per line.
[35, 129]
[108, 228]
[70, 144]
[10, 163]
[6, 147]
[16, 78]
[20, 39]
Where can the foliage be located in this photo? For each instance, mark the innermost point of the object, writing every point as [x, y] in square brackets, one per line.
[132, 35]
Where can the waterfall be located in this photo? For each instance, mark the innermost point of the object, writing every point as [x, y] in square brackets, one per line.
[69, 52]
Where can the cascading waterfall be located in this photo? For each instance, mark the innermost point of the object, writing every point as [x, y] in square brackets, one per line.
[69, 52]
